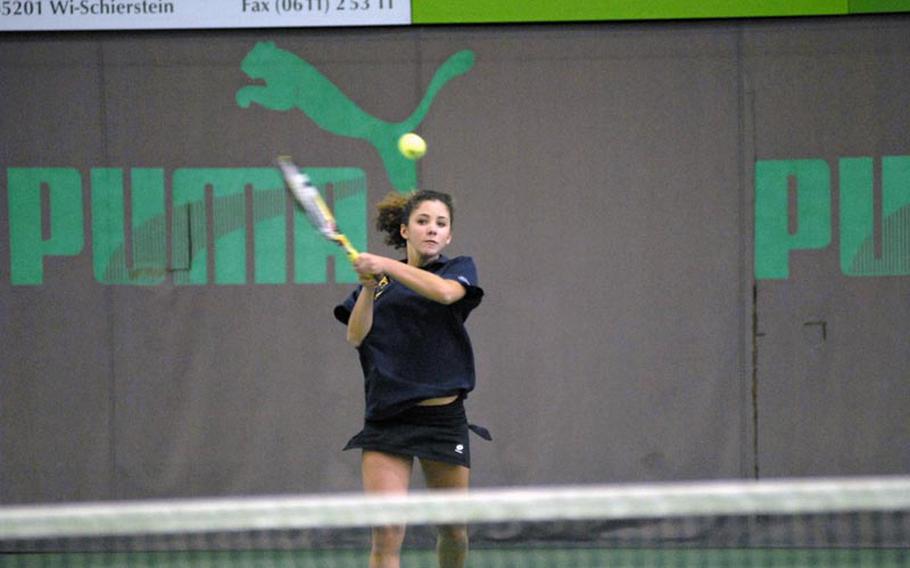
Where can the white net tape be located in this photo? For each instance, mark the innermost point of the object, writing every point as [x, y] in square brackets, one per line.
[773, 497]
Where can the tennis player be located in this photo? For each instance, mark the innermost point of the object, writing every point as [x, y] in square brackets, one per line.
[406, 320]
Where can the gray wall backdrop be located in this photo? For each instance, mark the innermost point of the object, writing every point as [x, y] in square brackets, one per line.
[604, 177]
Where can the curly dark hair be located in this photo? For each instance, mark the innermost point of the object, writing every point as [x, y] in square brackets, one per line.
[395, 209]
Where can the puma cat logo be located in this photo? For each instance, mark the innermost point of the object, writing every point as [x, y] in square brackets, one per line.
[292, 83]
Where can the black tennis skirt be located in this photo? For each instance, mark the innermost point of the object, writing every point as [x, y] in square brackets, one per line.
[437, 433]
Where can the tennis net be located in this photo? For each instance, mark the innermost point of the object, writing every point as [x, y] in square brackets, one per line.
[806, 522]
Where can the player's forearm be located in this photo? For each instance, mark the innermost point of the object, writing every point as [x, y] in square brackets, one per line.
[426, 283]
[361, 320]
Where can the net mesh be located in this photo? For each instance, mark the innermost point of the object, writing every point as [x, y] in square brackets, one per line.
[833, 522]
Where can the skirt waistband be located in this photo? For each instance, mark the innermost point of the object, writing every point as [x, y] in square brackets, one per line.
[454, 409]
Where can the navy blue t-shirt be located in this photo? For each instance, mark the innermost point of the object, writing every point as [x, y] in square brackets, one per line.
[417, 348]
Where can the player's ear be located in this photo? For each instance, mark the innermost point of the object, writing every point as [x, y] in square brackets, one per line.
[403, 231]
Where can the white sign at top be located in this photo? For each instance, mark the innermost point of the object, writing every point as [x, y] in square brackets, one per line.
[48, 15]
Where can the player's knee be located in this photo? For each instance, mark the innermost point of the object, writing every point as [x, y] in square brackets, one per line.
[387, 540]
[453, 535]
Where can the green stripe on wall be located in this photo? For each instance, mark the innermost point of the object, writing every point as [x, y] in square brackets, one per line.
[505, 11]
[878, 6]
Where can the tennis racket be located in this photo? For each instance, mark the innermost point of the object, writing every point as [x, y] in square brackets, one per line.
[319, 214]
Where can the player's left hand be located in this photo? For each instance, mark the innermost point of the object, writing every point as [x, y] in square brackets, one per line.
[369, 265]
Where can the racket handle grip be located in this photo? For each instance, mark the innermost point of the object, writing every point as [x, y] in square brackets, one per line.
[348, 248]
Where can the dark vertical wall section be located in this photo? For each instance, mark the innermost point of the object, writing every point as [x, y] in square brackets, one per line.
[605, 181]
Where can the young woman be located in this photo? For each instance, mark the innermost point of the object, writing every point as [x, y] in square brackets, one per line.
[406, 320]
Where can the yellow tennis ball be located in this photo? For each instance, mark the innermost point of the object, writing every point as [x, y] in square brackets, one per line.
[412, 146]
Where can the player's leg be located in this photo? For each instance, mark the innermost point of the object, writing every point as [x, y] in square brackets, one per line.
[386, 473]
[452, 540]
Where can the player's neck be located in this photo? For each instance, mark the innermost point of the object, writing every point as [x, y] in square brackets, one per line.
[418, 260]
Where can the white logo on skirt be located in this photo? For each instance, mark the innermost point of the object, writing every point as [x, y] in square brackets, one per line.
[459, 449]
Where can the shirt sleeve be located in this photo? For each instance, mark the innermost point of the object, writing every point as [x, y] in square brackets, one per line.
[344, 309]
[462, 270]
